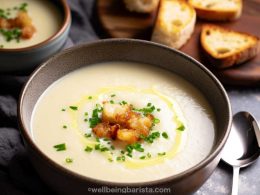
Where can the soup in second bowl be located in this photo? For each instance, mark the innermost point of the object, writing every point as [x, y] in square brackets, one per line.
[24, 23]
[123, 122]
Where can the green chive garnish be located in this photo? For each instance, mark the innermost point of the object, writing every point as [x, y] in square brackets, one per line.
[181, 128]
[165, 135]
[156, 120]
[88, 149]
[112, 147]
[87, 134]
[60, 147]
[162, 154]
[74, 108]
[68, 160]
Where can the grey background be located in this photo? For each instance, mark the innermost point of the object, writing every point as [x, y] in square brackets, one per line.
[221, 180]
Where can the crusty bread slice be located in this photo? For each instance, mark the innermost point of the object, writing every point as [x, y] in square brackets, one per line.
[217, 10]
[225, 48]
[142, 6]
[175, 23]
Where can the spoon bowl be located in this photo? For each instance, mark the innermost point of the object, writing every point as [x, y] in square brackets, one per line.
[242, 147]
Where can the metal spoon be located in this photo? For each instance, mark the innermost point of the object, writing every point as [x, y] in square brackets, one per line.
[243, 145]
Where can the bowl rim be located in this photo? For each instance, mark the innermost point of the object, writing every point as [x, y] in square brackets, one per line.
[62, 29]
[176, 177]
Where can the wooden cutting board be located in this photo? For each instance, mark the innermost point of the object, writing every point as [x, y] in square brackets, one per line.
[117, 22]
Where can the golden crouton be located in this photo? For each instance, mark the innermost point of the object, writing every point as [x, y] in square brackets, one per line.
[122, 123]
[128, 135]
[106, 130]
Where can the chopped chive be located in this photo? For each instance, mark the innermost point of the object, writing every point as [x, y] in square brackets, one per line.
[110, 159]
[60, 147]
[150, 138]
[146, 110]
[1, 46]
[11, 34]
[74, 108]
[86, 113]
[68, 160]
[97, 147]
[85, 120]
[88, 149]
[95, 119]
[123, 103]
[120, 158]
[89, 97]
[63, 109]
[165, 135]
[87, 134]
[162, 154]
[112, 147]
[158, 109]
[156, 120]
[106, 139]
[113, 95]
[135, 146]
[23, 7]
[130, 155]
[104, 149]
[149, 155]
[181, 127]
[111, 102]
[122, 152]
[97, 139]
[142, 157]
[64, 127]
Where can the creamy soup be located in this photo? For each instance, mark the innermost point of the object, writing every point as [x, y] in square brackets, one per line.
[65, 119]
[45, 17]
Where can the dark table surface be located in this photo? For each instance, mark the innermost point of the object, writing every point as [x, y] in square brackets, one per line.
[221, 180]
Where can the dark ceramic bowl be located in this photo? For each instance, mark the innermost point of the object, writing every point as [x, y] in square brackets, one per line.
[67, 182]
[26, 58]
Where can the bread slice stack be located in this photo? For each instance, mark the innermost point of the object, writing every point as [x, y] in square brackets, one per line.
[175, 23]
[141, 6]
[217, 10]
[225, 48]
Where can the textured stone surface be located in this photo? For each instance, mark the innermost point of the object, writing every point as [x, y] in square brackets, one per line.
[220, 182]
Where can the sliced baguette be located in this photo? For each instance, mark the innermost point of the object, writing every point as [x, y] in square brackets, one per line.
[225, 48]
[217, 10]
[175, 23]
[141, 6]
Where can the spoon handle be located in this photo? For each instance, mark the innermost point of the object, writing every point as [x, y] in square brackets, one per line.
[235, 180]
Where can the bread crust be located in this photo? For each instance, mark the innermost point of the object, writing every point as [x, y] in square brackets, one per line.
[236, 58]
[217, 14]
[175, 40]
